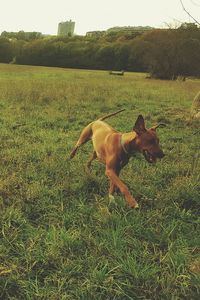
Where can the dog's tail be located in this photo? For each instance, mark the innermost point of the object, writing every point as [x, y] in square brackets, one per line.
[112, 114]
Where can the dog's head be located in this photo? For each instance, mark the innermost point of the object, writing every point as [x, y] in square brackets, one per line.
[147, 141]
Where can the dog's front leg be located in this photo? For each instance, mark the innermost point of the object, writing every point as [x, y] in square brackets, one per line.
[122, 187]
[113, 188]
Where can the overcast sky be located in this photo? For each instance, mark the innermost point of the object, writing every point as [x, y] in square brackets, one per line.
[44, 15]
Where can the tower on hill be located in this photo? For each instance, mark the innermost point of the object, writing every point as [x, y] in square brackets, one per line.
[66, 28]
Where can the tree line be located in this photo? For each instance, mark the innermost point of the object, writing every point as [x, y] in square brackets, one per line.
[164, 53]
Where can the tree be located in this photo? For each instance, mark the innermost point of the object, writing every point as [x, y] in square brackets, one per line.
[173, 52]
[187, 12]
[6, 50]
[105, 57]
[122, 52]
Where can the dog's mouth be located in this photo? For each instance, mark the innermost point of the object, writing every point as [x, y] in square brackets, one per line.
[149, 157]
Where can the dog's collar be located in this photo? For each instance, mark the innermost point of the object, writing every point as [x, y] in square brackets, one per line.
[123, 145]
[126, 137]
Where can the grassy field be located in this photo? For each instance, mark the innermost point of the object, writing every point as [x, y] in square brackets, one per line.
[60, 238]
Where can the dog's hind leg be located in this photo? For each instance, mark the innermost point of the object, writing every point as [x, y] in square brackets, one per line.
[85, 136]
[93, 157]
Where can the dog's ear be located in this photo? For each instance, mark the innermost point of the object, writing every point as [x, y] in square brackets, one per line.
[139, 126]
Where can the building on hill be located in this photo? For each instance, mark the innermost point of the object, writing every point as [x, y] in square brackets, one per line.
[118, 29]
[66, 28]
[130, 29]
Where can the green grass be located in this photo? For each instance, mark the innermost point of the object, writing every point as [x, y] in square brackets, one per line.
[60, 237]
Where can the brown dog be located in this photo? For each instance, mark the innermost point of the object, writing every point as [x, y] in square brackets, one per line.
[114, 149]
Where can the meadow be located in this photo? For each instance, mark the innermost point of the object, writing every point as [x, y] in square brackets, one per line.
[60, 237]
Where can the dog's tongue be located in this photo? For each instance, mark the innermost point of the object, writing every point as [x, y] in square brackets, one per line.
[149, 157]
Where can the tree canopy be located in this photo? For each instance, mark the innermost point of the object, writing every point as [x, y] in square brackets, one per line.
[164, 53]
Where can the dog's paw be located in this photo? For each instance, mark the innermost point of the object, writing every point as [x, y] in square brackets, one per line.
[111, 200]
[111, 197]
[134, 205]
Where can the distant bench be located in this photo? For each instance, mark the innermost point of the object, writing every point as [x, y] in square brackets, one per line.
[120, 73]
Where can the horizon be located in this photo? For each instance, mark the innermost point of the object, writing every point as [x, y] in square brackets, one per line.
[105, 30]
[93, 15]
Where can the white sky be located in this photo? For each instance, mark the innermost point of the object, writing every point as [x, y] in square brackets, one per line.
[89, 15]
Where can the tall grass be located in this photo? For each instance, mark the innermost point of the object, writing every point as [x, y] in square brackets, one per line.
[60, 236]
